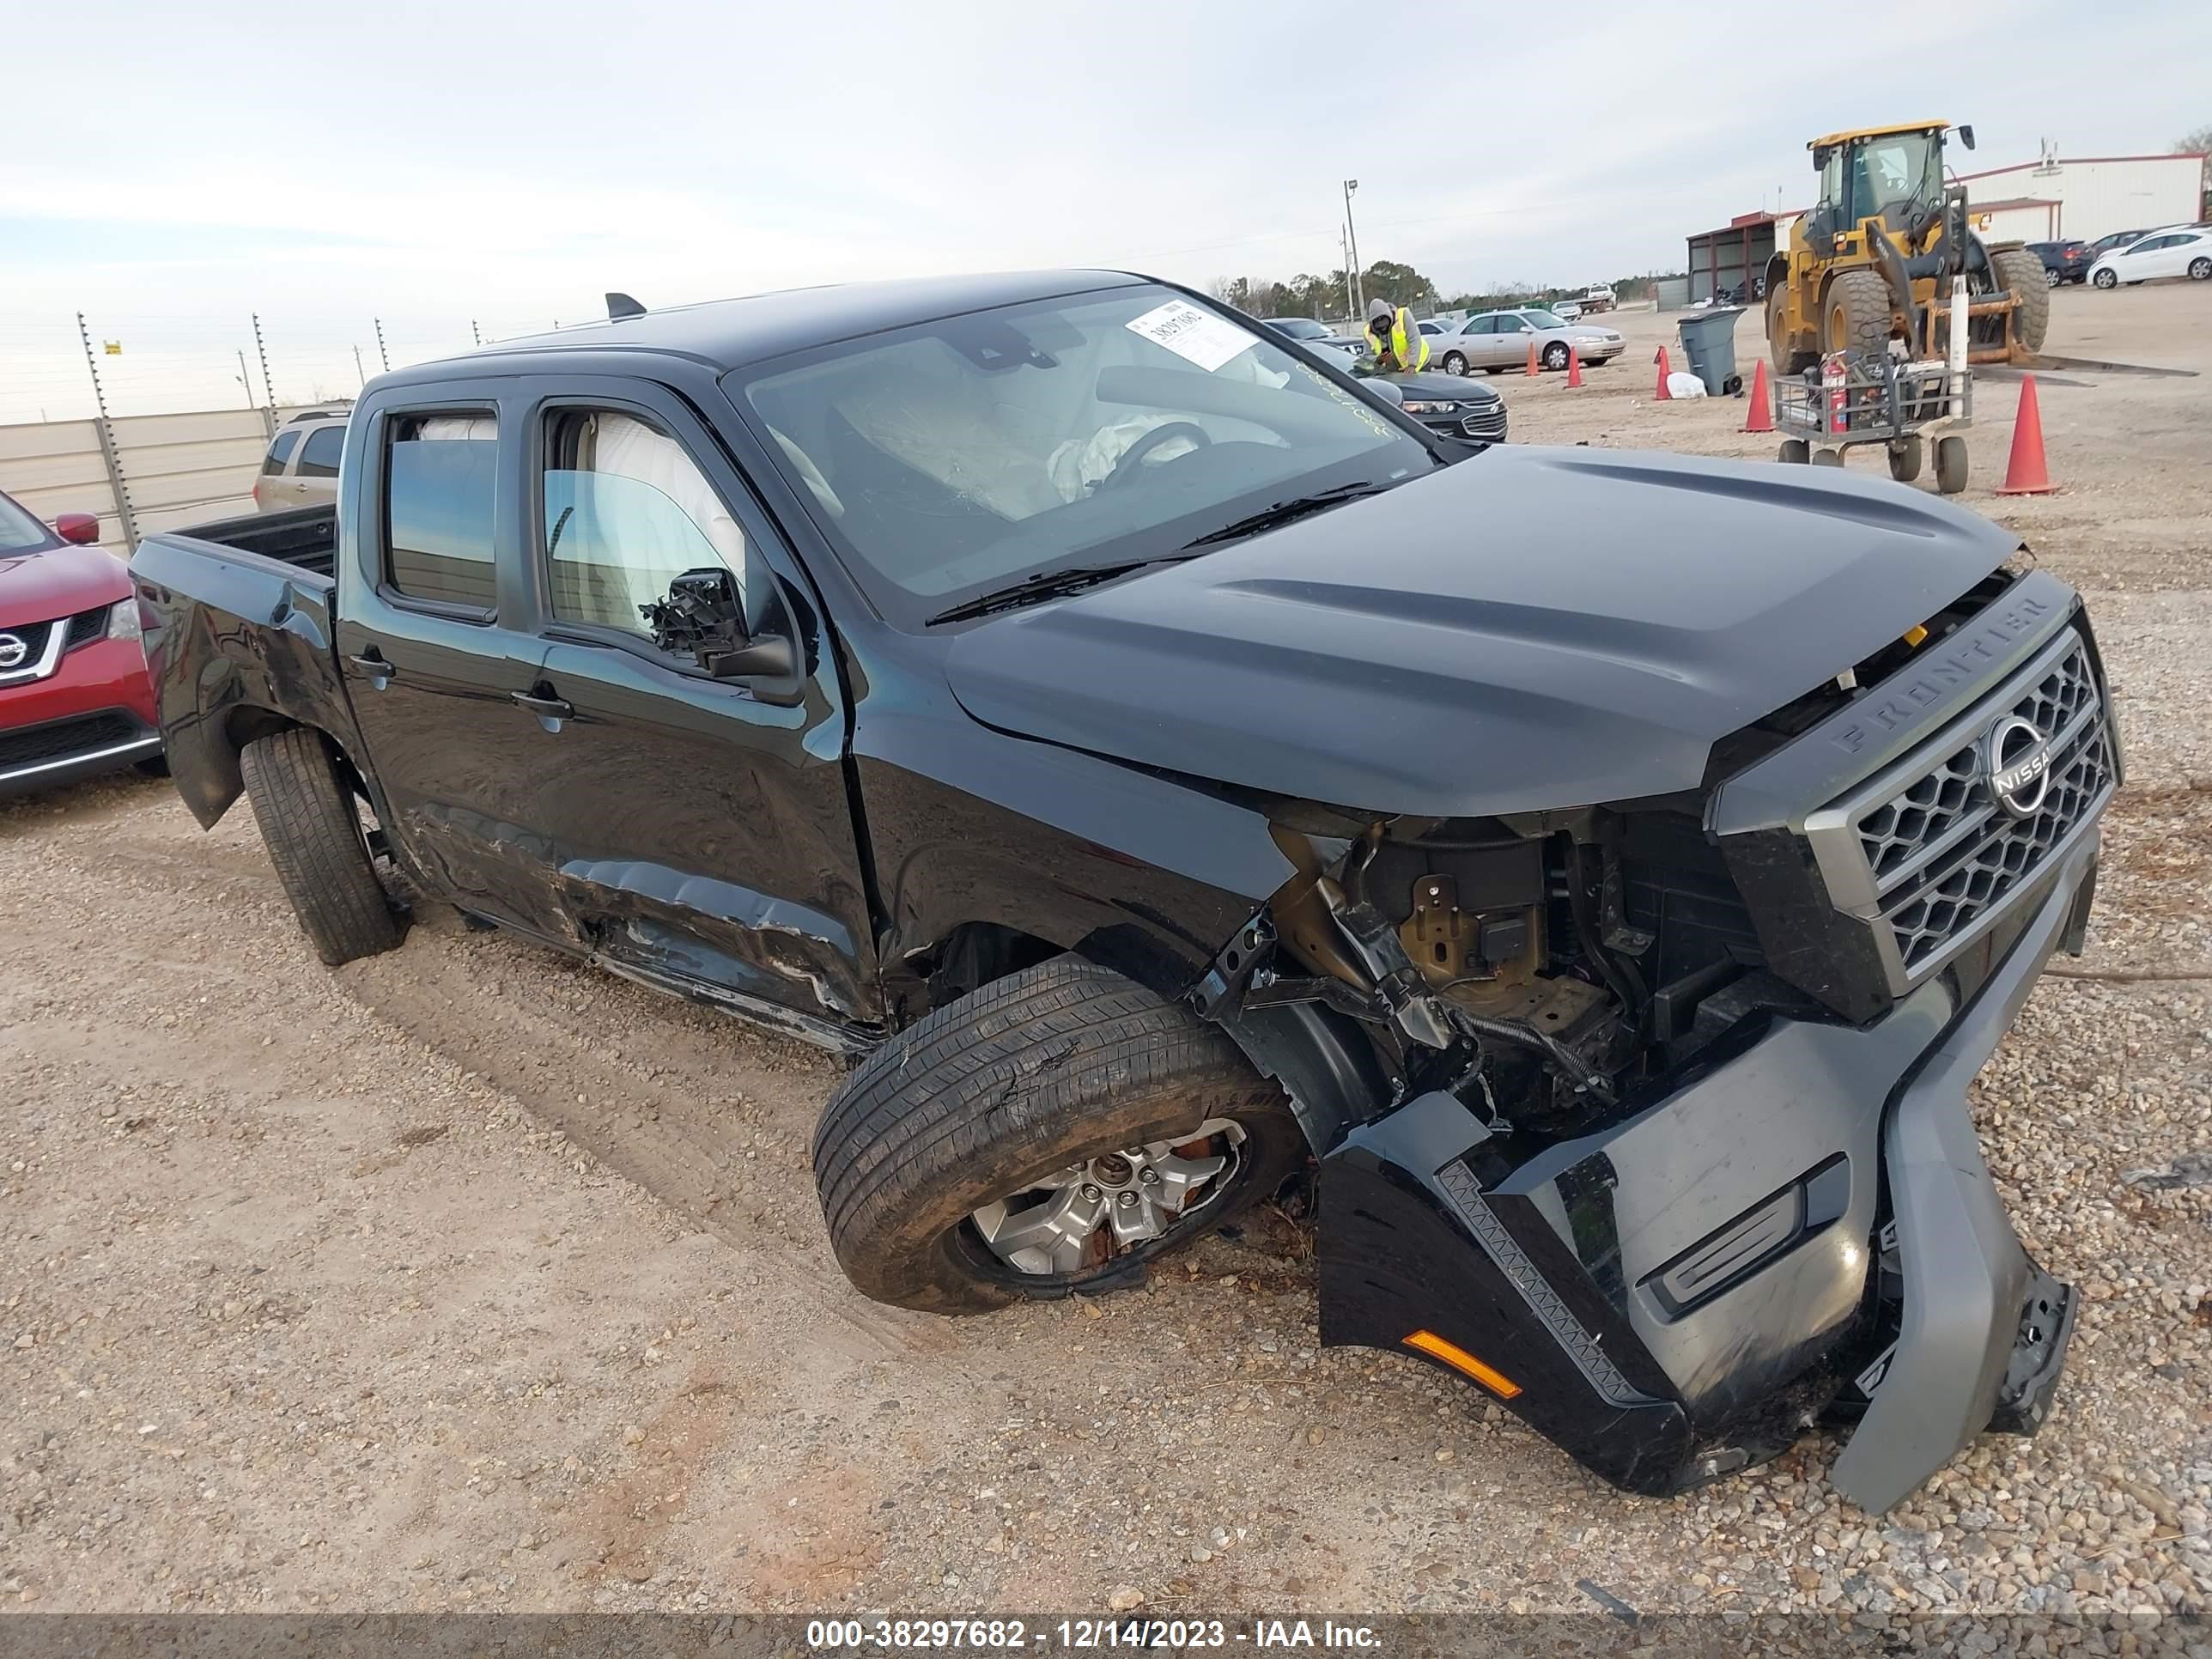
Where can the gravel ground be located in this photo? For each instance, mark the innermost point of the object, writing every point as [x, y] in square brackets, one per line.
[466, 1277]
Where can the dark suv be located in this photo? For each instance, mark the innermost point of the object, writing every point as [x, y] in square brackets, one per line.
[2063, 262]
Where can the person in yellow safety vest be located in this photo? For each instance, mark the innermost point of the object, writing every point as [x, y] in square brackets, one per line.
[1399, 345]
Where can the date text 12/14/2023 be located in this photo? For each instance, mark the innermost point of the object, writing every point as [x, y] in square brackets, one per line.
[1081, 1635]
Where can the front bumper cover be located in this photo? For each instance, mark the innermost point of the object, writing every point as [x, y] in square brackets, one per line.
[1683, 1293]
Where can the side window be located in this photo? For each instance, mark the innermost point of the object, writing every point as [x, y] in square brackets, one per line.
[626, 513]
[439, 484]
[279, 452]
[319, 456]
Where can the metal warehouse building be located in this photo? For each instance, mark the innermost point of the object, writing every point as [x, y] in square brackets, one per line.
[2084, 197]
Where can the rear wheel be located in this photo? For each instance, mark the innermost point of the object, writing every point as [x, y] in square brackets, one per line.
[305, 809]
[2050, 276]
[1855, 313]
[1904, 457]
[1048, 1133]
[1828, 458]
[2020, 273]
[1950, 465]
[1794, 451]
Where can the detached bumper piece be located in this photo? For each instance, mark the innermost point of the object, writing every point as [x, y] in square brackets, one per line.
[1684, 1293]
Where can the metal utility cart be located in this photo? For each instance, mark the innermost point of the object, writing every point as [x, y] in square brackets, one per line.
[1854, 397]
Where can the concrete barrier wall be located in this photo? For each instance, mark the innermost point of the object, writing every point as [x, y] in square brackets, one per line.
[176, 469]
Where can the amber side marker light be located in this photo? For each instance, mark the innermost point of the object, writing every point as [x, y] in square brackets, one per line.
[1461, 1360]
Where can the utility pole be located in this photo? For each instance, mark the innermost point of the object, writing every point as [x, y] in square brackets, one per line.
[1346, 254]
[1352, 239]
[382, 356]
[108, 453]
[245, 380]
[269, 409]
[358, 370]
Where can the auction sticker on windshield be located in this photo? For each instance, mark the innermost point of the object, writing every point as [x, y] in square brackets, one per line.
[1184, 329]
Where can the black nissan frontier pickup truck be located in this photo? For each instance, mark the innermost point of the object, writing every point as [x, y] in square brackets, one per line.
[1157, 762]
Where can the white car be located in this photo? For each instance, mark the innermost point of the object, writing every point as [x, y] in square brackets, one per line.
[2186, 252]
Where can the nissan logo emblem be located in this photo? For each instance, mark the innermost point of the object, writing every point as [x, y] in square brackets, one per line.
[2016, 757]
[12, 651]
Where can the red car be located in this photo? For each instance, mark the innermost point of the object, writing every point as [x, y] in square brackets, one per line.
[74, 695]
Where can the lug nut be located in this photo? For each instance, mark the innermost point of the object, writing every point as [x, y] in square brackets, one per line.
[1152, 1177]
[1128, 1200]
[1089, 1193]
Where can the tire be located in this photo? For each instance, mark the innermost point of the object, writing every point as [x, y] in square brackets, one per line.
[1950, 465]
[2019, 272]
[2051, 277]
[1555, 356]
[1794, 451]
[307, 818]
[1455, 364]
[2105, 279]
[2200, 271]
[1786, 360]
[1053, 1065]
[1828, 458]
[1904, 457]
[1855, 313]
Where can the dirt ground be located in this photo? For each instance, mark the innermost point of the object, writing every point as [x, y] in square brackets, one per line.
[466, 1277]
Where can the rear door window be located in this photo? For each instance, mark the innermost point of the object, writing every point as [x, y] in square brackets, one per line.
[319, 456]
[279, 452]
[440, 484]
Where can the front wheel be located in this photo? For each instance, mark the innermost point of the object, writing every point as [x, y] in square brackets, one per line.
[1950, 465]
[1794, 451]
[2200, 271]
[1051, 1132]
[1904, 457]
[1555, 356]
[2104, 279]
[1828, 458]
[1455, 364]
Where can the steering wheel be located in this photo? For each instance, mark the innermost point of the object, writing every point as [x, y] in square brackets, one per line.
[1133, 456]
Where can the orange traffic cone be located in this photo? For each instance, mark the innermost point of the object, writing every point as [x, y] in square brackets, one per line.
[1761, 416]
[1662, 395]
[1574, 367]
[2025, 473]
[1532, 367]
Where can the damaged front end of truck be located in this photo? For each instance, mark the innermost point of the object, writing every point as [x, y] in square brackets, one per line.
[1649, 1119]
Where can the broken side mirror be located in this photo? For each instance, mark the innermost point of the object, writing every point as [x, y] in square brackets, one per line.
[704, 617]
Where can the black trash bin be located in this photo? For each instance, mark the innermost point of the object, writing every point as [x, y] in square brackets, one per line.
[1709, 346]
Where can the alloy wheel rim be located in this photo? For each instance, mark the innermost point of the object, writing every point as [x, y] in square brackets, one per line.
[1085, 1215]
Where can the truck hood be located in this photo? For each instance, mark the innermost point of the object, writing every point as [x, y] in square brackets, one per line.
[57, 582]
[1529, 628]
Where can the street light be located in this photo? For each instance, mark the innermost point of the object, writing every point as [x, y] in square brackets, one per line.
[1351, 232]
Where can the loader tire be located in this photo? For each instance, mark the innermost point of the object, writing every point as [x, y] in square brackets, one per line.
[1855, 315]
[305, 809]
[1788, 361]
[2020, 273]
[992, 1098]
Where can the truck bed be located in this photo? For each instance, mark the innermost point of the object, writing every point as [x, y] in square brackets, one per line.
[241, 643]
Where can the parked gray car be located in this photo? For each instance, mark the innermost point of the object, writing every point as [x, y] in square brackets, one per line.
[301, 468]
[1496, 341]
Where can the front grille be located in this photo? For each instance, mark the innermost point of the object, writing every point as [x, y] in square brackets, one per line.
[87, 626]
[63, 738]
[1486, 423]
[1927, 853]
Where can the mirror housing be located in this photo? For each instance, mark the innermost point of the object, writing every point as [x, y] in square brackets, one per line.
[1966, 136]
[79, 529]
[704, 617]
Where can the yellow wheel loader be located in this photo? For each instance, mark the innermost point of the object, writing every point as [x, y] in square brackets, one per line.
[1874, 260]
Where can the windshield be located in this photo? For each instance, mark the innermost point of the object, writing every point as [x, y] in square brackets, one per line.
[953, 458]
[1542, 319]
[1899, 169]
[1301, 328]
[19, 531]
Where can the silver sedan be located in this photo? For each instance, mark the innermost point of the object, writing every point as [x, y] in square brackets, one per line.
[1496, 341]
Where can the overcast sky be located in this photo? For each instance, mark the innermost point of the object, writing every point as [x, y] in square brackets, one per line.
[171, 167]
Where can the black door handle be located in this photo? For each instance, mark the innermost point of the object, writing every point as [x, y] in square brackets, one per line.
[556, 708]
[377, 670]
